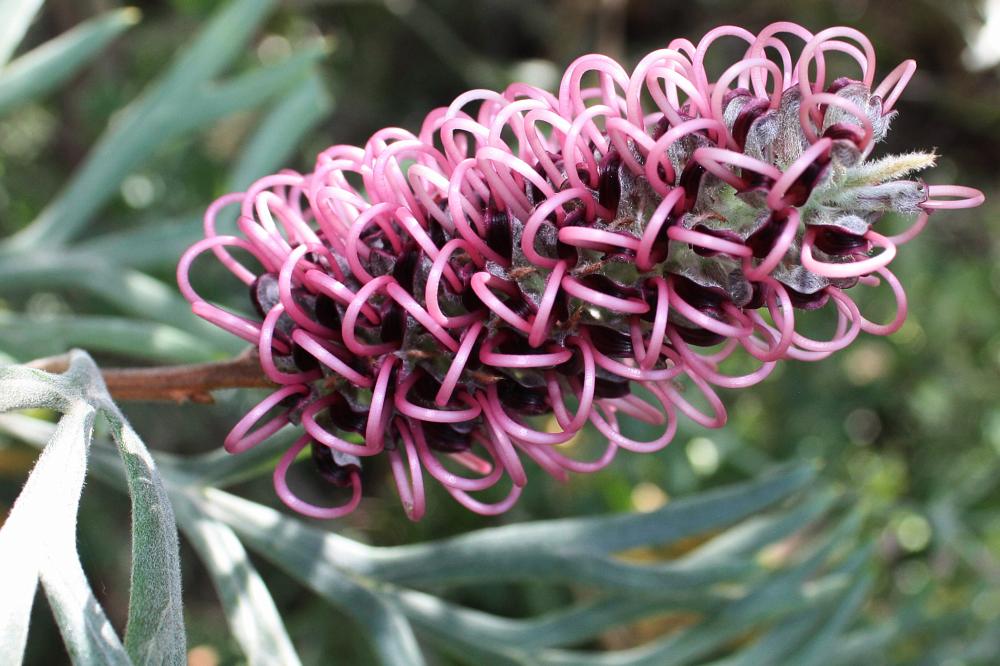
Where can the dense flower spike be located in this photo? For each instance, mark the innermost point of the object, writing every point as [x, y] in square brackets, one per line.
[537, 255]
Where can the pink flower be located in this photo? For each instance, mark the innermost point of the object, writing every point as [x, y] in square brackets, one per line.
[529, 254]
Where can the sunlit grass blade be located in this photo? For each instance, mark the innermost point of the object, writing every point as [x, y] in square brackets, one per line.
[49, 65]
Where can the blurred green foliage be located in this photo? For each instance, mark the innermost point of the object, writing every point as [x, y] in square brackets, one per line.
[909, 425]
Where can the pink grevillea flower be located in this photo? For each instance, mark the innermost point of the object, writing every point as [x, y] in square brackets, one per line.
[531, 254]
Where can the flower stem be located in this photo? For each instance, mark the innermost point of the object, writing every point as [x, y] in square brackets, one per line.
[174, 383]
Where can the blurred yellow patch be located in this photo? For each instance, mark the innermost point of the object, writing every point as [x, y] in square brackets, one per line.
[647, 497]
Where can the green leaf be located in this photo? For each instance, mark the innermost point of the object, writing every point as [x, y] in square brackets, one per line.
[155, 631]
[15, 19]
[824, 642]
[149, 246]
[383, 622]
[515, 548]
[243, 92]
[46, 67]
[456, 628]
[252, 615]
[812, 630]
[26, 337]
[253, 618]
[778, 597]
[397, 565]
[38, 542]
[217, 45]
[131, 291]
[221, 468]
[54, 486]
[268, 148]
[756, 532]
[862, 646]
[281, 130]
[145, 124]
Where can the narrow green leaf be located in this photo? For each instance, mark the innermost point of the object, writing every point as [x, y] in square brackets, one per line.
[132, 292]
[143, 246]
[157, 246]
[28, 429]
[269, 534]
[500, 553]
[775, 645]
[220, 468]
[779, 596]
[461, 629]
[253, 618]
[570, 567]
[27, 388]
[155, 630]
[242, 93]
[17, 16]
[516, 546]
[20, 550]
[824, 643]
[218, 44]
[862, 646]
[38, 540]
[88, 634]
[46, 67]
[281, 130]
[574, 625]
[758, 531]
[25, 337]
[144, 125]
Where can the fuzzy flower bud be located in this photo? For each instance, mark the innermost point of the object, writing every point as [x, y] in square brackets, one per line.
[528, 254]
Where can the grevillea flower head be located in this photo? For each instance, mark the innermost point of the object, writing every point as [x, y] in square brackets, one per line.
[529, 254]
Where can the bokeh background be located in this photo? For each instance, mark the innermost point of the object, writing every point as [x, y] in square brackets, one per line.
[909, 425]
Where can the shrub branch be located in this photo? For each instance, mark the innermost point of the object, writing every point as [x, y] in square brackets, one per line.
[174, 383]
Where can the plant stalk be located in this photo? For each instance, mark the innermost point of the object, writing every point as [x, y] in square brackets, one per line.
[174, 383]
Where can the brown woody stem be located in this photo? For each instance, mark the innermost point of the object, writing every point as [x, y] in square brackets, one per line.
[174, 383]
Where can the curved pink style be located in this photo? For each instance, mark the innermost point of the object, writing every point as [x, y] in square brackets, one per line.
[464, 299]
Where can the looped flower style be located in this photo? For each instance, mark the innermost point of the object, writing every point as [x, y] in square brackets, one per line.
[463, 300]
